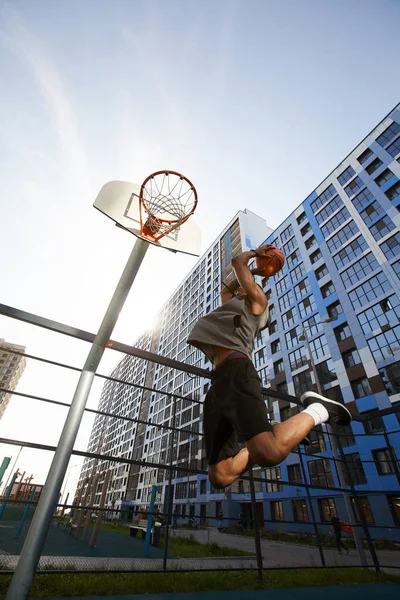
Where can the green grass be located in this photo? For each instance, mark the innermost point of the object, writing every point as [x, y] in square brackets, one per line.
[45, 586]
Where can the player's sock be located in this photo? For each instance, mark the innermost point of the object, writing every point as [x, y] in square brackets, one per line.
[318, 412]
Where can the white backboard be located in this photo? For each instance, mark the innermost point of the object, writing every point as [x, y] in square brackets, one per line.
[119, 200]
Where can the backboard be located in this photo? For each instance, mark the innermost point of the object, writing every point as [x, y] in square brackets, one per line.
[119, 200]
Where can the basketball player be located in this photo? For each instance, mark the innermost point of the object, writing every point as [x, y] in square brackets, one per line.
[234, 409]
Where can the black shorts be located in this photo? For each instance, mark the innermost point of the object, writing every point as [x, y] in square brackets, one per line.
[234, 409]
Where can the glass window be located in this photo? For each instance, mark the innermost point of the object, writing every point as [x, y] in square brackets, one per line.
[372, 212]
[302, 289]
[293, 258]
[277, 511]
[323, 198]
[306, 229]
[367, 264]
[373, 166]
[354, 186]
[394, 503]
[286, 300]
[382, 227]
[299, 510]
[273, 478]
[346, 175]
[385, 345]
[292, 338]
[307, 306]
[384, 177]
[302, 383]
[327, 289]
[345, 434]
[321, 272]
[363, 504]
[394, 149]
[335, 222]
[363, 199]
[282, 285]
[351, 358]
[282, 388]
[326, 371]
[330, 208]
[361, 387]
[374, 424]
[275, 346]
[297, 272]
[391, 378]
[288, 318]
[389, 133]
[279, 367]
[286, 234]
[365, 156]
[327, 509]
[385, 312]
[315, 256]
[294, 474]
[368, 291]
[391, 246]
[383, 461]
[310, 243]
[301, 218]
[319, 347]
[291, 244]
[273, 328]
[334, 310]
[394, 191]
[298, 358]
[356, 474]
[312, 326]
[350, 252]
[342, 236]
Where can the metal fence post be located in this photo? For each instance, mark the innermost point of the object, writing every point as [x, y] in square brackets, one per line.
[257, 539]
[170, 498]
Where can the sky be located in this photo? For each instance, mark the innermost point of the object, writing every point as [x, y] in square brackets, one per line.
[255, 101]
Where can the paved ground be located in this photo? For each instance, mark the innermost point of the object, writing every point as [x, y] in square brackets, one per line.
[383, 591]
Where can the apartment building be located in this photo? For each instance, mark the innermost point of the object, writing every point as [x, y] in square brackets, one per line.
[11, 368]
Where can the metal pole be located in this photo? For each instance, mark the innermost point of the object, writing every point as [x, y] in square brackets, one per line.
[12, 470]
[170, 498]
[26, 512]
[339, 465]
[303, 470]
[391, 452]
[35, 539]
[257, 539]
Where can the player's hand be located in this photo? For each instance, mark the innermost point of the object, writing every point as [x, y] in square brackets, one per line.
[261, 250]
[256, 271]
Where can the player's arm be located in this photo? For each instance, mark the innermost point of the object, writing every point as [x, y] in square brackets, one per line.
[245, 276]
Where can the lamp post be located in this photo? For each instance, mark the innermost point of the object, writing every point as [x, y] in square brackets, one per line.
[335, 450]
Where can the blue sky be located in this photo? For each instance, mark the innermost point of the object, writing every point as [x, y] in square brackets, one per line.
[255, 101]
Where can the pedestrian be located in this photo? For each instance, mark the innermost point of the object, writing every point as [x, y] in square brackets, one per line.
[336, 528]
[234, 409]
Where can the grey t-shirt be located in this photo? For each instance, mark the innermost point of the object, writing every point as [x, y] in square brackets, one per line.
[230, 326]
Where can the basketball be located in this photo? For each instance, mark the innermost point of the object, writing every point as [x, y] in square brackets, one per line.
[271, 261]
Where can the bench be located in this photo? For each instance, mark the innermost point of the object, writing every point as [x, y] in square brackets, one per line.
[141, 526]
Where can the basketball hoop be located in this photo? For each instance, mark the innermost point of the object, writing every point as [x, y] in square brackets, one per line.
[167, 199]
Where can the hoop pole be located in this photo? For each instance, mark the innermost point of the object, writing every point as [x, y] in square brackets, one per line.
[35, 539]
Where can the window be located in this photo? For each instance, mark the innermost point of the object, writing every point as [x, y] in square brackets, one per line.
[286, 234]
[312, 326]
[389, 133]
[360, 387]
[394, 148]
[320, 472]
[350, 252]
[294, 474]
[282, 285]
[302, 383]
[279, 367]
[293, 259]
[203, 486]
[359, 270]
[326, 371]
[334, 310]
[301, 218]
[297, 272]
[298, 358]
[363, 504]
[273, 473]
[382, 227]
[327, 509]
[299, 510]
[315, 256]
[319, 347]
[180, 491]
[302, 288]
[368, 291]
[351, 358]
[383, 461]
[342, 332]
[291, 244]
[371, 213]
[384, 177]
[286, 300]
[394, 503]
[373, 166]
[362, 199]
[306, 229]
[385, 345]
[354, 186]
[346, 175]
[330, 208]
[394, 191]
[335, 222]
[277, 511]
[273, 328]
[310, 243]
[365, 156]
[322, 198]
[275, 346]
[373, 424]
[292, 338]
[391, 378]
[342, 236]
[307, 306]
[327, 289]
[288, 318]
[355, 469]
[391, 247]
[345, 435]
[385, 312]
[321, 272]
[282, 388]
